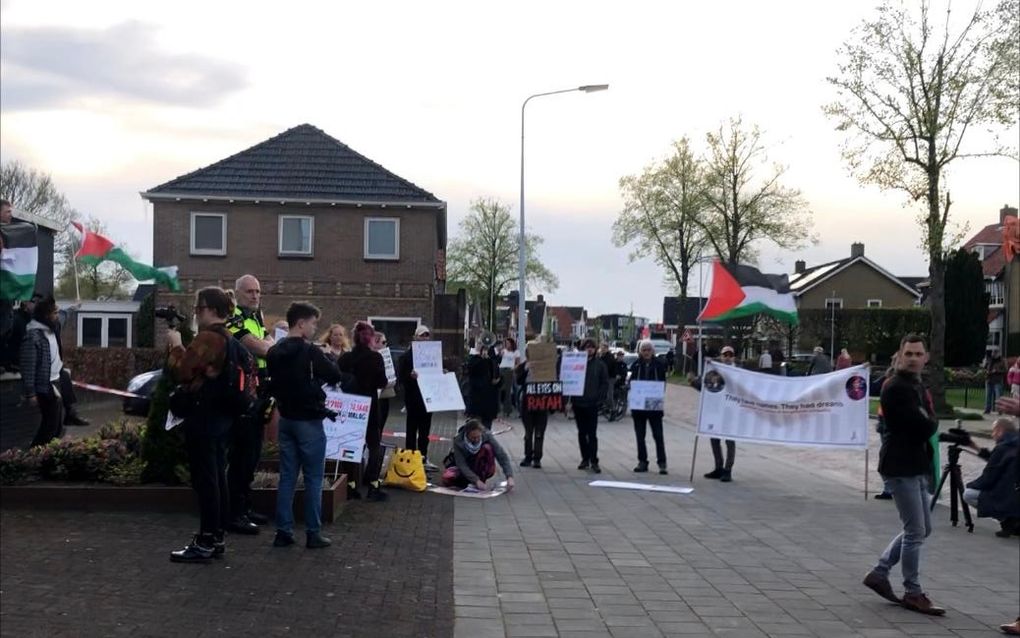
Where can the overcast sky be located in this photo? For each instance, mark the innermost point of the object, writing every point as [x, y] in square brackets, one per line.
[112, 98]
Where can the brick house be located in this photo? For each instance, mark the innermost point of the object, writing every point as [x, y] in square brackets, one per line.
[987, 245]
[567, 323]
[313, 220]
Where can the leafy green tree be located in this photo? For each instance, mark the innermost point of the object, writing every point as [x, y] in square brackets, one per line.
[911, 88]
[966, 309]
[483, 257]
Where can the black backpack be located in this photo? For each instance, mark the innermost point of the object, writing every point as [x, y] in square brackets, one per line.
[233, 392]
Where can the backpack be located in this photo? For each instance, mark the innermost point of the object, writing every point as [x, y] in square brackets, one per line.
[233, 392]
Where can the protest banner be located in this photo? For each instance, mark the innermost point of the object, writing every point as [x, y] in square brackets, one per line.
[573, 367]
[647, 395]
[543, 396]
[541, 362]
[345, 435]
[441, 392]
[829, 410]
[428, 357]
[391, 371]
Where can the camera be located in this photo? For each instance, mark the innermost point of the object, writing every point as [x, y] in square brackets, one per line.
[955, 436]
[172, 316]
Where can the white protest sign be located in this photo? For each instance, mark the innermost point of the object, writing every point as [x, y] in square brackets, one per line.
[829, 410]
[172, 420]
[440, 392]
[647, 395]
[391, 371]
[428, 357]
[280, 334]
[345, 436]
[573, 368]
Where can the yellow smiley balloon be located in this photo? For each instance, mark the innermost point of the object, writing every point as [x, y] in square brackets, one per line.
[407, 470]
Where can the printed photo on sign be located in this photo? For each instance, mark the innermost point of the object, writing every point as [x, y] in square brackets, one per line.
[856, 387]
[647, 395]
[714, 382]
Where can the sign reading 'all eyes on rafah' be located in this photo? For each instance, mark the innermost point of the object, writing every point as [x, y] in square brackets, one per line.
[543, 397]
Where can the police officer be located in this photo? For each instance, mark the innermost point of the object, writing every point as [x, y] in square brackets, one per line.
[248, 327]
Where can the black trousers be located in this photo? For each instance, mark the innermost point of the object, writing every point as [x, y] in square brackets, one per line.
[51, 411]
[641, 420]
[67, 391]
[206, 443]
[534, 433]
[731, 451]
[587, 419]
[373, 441]
[419, 426]
[245, 451]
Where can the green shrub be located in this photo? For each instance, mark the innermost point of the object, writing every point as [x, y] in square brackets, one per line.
[18, 466]
[163, 451]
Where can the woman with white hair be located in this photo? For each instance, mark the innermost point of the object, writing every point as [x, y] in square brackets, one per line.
[648, 368]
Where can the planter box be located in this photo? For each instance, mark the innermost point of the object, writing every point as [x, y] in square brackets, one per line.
[153, 498]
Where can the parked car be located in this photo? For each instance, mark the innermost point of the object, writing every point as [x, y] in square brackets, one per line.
[798, 364]
[143, 385]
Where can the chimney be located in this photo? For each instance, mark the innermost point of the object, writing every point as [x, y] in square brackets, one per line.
[856, 250]
[1004, 212]
[540, 299]
[799, 266]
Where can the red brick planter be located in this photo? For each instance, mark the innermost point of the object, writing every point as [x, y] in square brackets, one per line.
[152, 498]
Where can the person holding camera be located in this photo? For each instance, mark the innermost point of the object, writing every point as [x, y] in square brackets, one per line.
[298, 369]
[905, 465]
[199, 371]
[994, 492]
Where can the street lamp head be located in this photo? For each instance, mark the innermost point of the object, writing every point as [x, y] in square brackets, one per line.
[591, 88]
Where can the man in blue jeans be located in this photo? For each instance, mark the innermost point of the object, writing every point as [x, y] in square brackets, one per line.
[905, 465]
[298, 370]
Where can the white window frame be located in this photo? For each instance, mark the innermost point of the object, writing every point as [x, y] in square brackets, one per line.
[835, 301]
[874, 303]
[223, 237]
[104, 317]
[311, 237]
[396, 236]
[996, 293]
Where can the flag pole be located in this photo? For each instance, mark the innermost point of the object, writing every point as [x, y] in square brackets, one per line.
[74, 266]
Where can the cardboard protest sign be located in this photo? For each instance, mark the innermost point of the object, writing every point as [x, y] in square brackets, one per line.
[542, 362]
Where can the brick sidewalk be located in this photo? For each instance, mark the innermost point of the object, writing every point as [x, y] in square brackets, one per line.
[779, 552]
[388, 573]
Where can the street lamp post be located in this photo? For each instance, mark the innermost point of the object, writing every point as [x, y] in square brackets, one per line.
[522, 249]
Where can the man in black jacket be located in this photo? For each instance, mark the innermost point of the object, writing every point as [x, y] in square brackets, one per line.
[609, 360]
[586, 408]
[994, 492]
[905, 465]
[298, 369]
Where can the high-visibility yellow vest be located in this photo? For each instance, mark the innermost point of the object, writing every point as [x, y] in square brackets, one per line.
[245, 322]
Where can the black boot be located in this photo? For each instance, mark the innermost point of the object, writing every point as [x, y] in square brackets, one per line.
[258, 519]
[72, 418]
[315, 540]
[1008, 527]
[642, 466]
[283, 539]
[376, 495]
[717, 473]
[241, 525]
[526, 461]
[219, 544]
[199, 550]
[352, 491]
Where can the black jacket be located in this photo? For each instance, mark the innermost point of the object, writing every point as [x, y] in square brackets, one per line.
[999, 496]
[368, 376]
[412, 394]
[909, 424]
[609, 360]
[483, 396]
[297, 370]
[596, 385]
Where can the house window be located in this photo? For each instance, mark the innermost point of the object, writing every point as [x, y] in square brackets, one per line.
[834, 302]
[874, 303]
[296, 234]
[382, 238]
[98, 330]
[208, 234]
[399, 331]
[995, 338]
[996, 293]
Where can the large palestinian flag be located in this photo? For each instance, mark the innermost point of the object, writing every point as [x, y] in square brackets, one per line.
[19, 260]
[742, 291]
[95, 249]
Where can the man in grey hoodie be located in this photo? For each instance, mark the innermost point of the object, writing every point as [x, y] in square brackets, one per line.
[473, 458]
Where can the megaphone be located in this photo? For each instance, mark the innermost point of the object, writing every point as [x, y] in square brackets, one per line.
[486, 339]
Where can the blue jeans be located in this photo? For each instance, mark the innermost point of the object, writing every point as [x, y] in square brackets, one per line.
[304, 443]
[910, 493]
[992, 392]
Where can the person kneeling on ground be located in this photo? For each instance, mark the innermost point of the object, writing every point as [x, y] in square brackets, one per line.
[298, 370]
[993, 493]
[473, 458]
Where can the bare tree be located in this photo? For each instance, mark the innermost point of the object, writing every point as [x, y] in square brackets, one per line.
[483, 258]
[33, 191]
[911, 91]
[659, 212]
[746, 201]
[95, 280]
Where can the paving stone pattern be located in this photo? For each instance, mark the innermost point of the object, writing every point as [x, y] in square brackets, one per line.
[780, 551]
[388, 573]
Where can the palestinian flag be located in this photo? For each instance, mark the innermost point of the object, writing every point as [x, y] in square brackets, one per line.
[19, 260]
[96, 249]
[742, 291]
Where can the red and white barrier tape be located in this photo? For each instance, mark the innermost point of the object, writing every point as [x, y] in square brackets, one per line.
[435, 437]
[99, 388]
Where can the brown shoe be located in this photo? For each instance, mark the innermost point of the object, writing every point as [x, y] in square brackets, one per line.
[1011, 629]
[921, 604]
[881, 586]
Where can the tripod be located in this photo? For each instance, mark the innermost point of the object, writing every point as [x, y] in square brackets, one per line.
[953, 473]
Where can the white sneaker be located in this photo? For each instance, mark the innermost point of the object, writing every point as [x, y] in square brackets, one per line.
[431, 467]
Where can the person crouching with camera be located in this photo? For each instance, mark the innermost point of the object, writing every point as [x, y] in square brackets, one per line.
[207, 420]
[993, 493]
[297, 370]
[905, 465]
